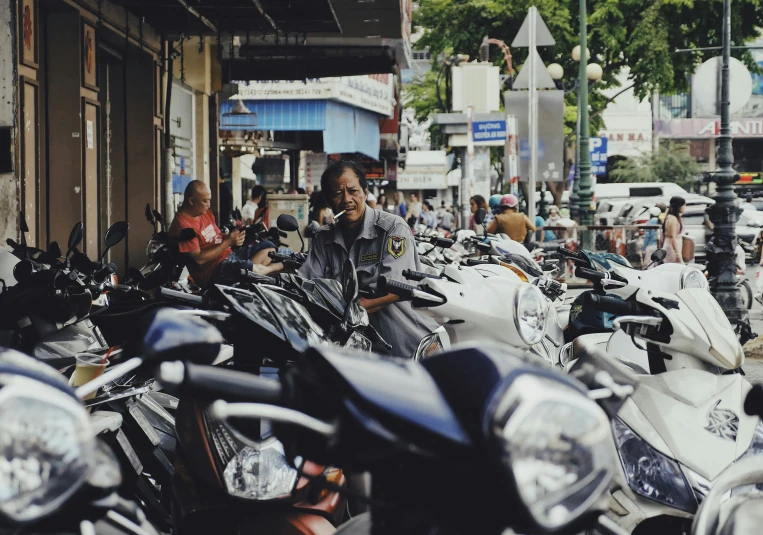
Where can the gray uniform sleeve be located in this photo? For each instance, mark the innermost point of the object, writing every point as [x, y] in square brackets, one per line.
[398, 252]
[313, 268]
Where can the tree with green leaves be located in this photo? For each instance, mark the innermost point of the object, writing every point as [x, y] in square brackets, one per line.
[642, 35]
[671, 162]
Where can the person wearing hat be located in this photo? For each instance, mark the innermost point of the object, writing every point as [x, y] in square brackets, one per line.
[650, 235]
[511, 222]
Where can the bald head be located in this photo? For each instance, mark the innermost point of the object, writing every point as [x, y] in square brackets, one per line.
[197, 198]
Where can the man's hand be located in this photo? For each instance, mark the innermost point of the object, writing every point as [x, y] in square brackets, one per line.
[236, 238]
[374, 305]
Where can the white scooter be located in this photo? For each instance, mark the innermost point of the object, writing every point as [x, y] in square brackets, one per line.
[685, 423]
[484, 303]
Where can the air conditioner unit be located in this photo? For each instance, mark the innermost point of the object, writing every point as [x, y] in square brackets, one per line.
[476, 85]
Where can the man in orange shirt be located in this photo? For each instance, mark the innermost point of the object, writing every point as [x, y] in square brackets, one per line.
[209, 249]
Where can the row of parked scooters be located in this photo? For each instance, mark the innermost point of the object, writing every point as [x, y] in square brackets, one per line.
[258, 406]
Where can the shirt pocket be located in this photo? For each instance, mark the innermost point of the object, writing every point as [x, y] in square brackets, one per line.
[368, 276]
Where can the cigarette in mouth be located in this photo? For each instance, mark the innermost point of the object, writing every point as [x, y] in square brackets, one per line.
[340, 214]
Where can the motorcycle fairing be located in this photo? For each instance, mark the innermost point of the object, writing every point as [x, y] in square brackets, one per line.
[673, 411]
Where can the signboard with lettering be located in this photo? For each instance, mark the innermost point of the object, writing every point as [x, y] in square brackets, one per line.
[421, 180]
[597, 146]
[373, 92]
[315, 165]
[708, 128]
[488, 131]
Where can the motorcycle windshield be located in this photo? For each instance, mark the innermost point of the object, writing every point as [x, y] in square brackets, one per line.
[331, 292]
[603, 261]
[279, 315]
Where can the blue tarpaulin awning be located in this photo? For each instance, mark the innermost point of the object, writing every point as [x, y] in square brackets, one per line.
[346, 129]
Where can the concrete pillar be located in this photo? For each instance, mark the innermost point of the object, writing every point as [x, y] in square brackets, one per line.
[9, 184]
[201, 165]
[235, 186]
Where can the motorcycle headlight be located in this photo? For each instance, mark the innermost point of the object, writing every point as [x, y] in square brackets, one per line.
[557, 446]
[46, 444]
[693, 278]
[650, 473]
[260, 472]
[530, 314]
[152, 247]
[253, 470]
[358, 341]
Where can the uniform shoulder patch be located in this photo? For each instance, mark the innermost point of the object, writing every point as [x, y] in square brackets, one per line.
[396, 246]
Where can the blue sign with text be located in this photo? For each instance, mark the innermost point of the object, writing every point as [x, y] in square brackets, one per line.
[489, 131]
[598, 148]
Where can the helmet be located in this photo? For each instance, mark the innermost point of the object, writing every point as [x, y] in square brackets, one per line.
[509, 200]
[495, 201]
[654, 211]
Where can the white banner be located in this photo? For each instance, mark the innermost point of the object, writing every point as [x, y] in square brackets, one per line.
[373, 92]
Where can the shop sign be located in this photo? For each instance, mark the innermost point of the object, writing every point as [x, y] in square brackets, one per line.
[411, 179]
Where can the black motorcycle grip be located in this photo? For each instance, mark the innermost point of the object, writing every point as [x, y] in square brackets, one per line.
[230, 385]
[256, 278]
[12, 243]
[442, 242]
[392, 286]
[566, 252]
[412, 275]
[105, 271]
[612, 305]
[192, 299]
[590, 274]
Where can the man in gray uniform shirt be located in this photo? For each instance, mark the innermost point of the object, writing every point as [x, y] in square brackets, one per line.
[379, 244]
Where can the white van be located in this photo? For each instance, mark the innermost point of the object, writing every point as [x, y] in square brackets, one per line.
[628, 190]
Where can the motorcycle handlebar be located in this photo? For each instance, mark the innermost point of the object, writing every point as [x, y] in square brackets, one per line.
[405, 291]
[412, 275]
[101, 275]
[442, 242]
[611, 305]
[191, 299]
[221, 383]
[590, 274]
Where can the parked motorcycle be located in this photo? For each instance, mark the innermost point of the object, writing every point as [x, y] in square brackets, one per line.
[449, 446]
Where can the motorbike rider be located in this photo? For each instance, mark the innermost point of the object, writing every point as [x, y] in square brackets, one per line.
[379, 244]
[510, 221]
[210, 250]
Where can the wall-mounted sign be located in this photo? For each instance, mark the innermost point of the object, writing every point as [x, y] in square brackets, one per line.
[374, 92]
[409, 179]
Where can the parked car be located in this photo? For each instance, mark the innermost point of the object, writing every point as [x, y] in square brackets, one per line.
[636, 211]
[749, 229]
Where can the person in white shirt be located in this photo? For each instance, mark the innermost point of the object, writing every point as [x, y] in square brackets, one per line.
[256, 208]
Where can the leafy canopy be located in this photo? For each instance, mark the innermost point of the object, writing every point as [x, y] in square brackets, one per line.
[672, 162]
[639, 34]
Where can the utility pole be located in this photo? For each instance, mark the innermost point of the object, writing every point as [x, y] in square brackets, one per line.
[721, 248]
[575, 195]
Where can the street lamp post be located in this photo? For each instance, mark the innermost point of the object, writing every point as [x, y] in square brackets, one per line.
[721, 248]
[585, 190]
[593, 73]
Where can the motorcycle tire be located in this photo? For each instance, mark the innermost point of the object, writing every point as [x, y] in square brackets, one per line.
[746, 291]
[359, 525]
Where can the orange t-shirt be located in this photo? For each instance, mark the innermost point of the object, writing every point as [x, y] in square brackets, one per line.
[207, 235]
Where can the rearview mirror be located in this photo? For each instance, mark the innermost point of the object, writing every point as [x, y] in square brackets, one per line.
[165, 335]
[158, 216]
[75, 238]
[149, 214]
[659, 255]
[116, 233]
[287, 223]
[479, 217]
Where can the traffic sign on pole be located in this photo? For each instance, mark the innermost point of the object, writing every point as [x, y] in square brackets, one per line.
[543, 37]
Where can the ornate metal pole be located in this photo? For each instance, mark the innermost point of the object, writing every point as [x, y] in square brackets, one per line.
[575, 195]
[721, 248]
[584, 204]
